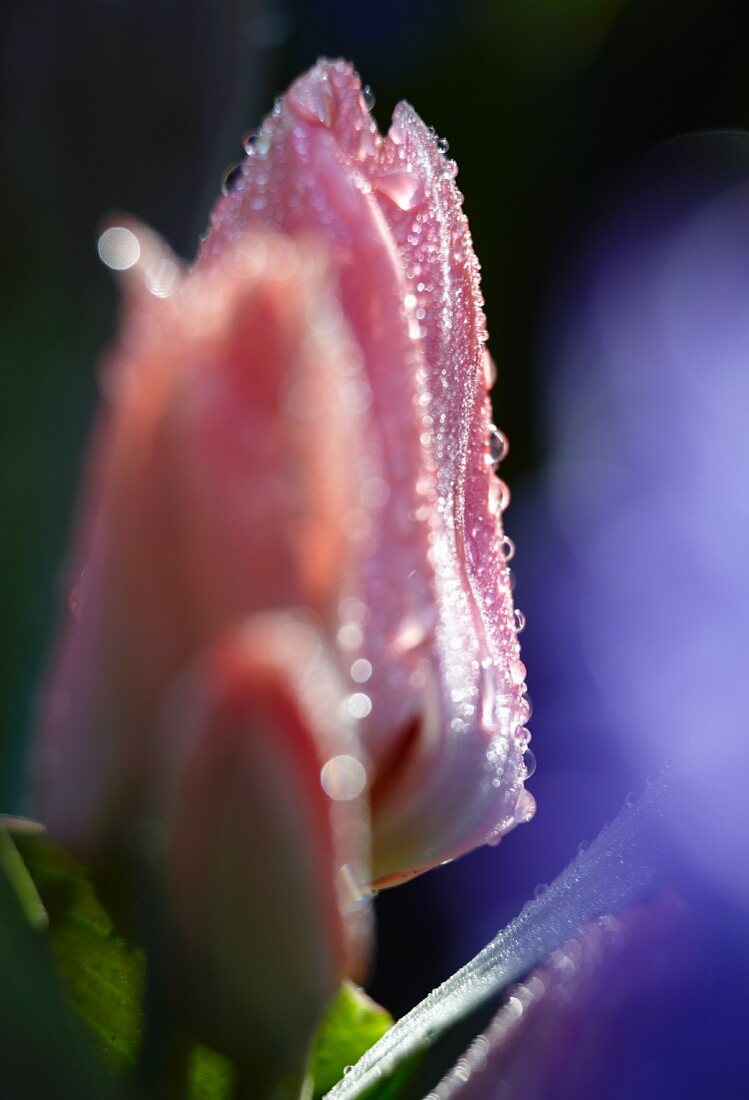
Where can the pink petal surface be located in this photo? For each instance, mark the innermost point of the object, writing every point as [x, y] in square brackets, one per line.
[266, 864]
[435, 618]
[228, 450]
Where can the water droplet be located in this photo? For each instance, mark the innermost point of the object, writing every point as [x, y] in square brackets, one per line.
[443, 145]
[361, 671]
[488, 687]
[462, 1070]
[499, 446]
[347, 1069]
[525, 807]
[541, 889]
[490, 370]
[529, 763]
[231, 178]
[161, 277]
[504, 496]
[524, 708]
[583, 846]
[519, 621]
[368, 96]
[517, 671]
[499, 497]
[249, 137]
[118, 248]
[343, 778]
[359, 705]
[507, 548]
[350, 636]
[261, 144]
[450, 170]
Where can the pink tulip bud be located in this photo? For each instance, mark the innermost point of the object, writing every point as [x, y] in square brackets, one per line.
[433, 625]
[227, 453]
[264, 794]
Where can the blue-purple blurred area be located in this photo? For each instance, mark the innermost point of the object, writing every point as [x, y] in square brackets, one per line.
[614, 238]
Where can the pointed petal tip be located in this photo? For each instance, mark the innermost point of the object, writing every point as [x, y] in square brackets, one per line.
[331, 96]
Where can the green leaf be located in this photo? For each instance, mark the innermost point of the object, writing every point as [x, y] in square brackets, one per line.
[88, 915]
[352, 1024]
[21, 881]
[43, 1051]
[101, 970]
[210, 1076]
[623, 864]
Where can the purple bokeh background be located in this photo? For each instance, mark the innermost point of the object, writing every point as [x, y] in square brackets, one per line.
[631, 566]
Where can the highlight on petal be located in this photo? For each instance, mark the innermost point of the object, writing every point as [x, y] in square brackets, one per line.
[435, 619]
[267, 848]
[225, 478]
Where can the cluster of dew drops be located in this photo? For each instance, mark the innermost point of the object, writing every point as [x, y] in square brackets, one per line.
[499, 447]
[253, 142]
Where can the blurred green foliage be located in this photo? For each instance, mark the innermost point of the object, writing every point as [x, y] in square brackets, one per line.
[94, 924]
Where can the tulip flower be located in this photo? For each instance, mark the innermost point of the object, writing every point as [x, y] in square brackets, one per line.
[292, 610]
[267, 853]
[215, 488]
[434, 622]
[186, 688]
[212, 496]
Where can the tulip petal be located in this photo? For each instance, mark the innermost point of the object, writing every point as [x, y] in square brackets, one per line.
[228, 453]
[474, 785]
[267, 850]
[435, 615]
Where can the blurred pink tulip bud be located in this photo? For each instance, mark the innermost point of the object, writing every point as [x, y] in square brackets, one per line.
[431, 634]
[268, 851]
[224, 459]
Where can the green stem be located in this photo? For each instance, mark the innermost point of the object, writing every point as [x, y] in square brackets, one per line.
[21, 881]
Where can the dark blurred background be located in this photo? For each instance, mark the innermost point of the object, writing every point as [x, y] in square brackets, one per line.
[548, 105]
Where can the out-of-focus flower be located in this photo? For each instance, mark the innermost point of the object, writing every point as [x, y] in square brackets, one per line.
[645, 496]
[225, 457]
[265, 864]
[638, 533]
[185, 688]
[299, 422]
